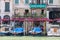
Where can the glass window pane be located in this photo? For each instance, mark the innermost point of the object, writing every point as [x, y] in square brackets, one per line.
[50, 1]
[26, 1]
[16, 1]
[7, 6]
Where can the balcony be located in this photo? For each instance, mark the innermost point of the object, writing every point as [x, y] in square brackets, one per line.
[37, 5]
[30, 15]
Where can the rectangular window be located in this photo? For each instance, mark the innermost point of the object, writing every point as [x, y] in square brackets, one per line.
[33, 1]
[7, 6]
[50, 1]
[42, 12]
[16, 1]
[38, 1]
[26, 1]
[41, 1]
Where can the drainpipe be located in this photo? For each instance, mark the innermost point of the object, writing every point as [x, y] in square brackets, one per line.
[46, 2]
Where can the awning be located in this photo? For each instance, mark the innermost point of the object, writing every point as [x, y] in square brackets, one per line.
[5, 19]
[17, 19]
[27, 19]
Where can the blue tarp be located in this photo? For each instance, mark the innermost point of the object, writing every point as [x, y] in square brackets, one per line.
[37, 29]
[18, 30]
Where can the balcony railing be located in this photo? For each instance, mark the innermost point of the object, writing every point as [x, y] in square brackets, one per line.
[31, 16]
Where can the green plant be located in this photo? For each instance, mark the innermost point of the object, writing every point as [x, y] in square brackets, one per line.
[35, 15]
[17, 15]
[43, 15]
[27, 15]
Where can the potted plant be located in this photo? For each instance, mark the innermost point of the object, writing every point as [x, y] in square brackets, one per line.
[17, 15]
[27, 15]
[42, 15]
[34, 15]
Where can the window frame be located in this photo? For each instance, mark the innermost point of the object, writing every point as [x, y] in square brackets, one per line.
[50, 1]
[16, 3]
[26, 3]
[7, 8]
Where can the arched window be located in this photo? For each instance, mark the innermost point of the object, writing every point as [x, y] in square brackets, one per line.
[0, 19]
[6, 21]
[7, 17]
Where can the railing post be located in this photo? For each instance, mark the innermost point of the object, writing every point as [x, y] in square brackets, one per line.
[45, 28]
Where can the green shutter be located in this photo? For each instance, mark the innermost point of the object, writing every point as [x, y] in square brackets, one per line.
[7, 6]
[26, 1]
[16, 1]
[50, 1]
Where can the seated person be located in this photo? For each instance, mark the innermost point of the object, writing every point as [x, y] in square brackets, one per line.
[4, 31]
[18, 28]
[42, 27]
[36, 30]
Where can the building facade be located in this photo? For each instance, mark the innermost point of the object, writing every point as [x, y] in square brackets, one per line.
[53, 12]
[31, 8]
[53, 9]
[38, 7]
[11, 7]
[6, 8]
[21, 6]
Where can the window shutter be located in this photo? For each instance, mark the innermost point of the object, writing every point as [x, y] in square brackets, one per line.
[7, 6]
[26, 1]
[16, 1]
[50, 1]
